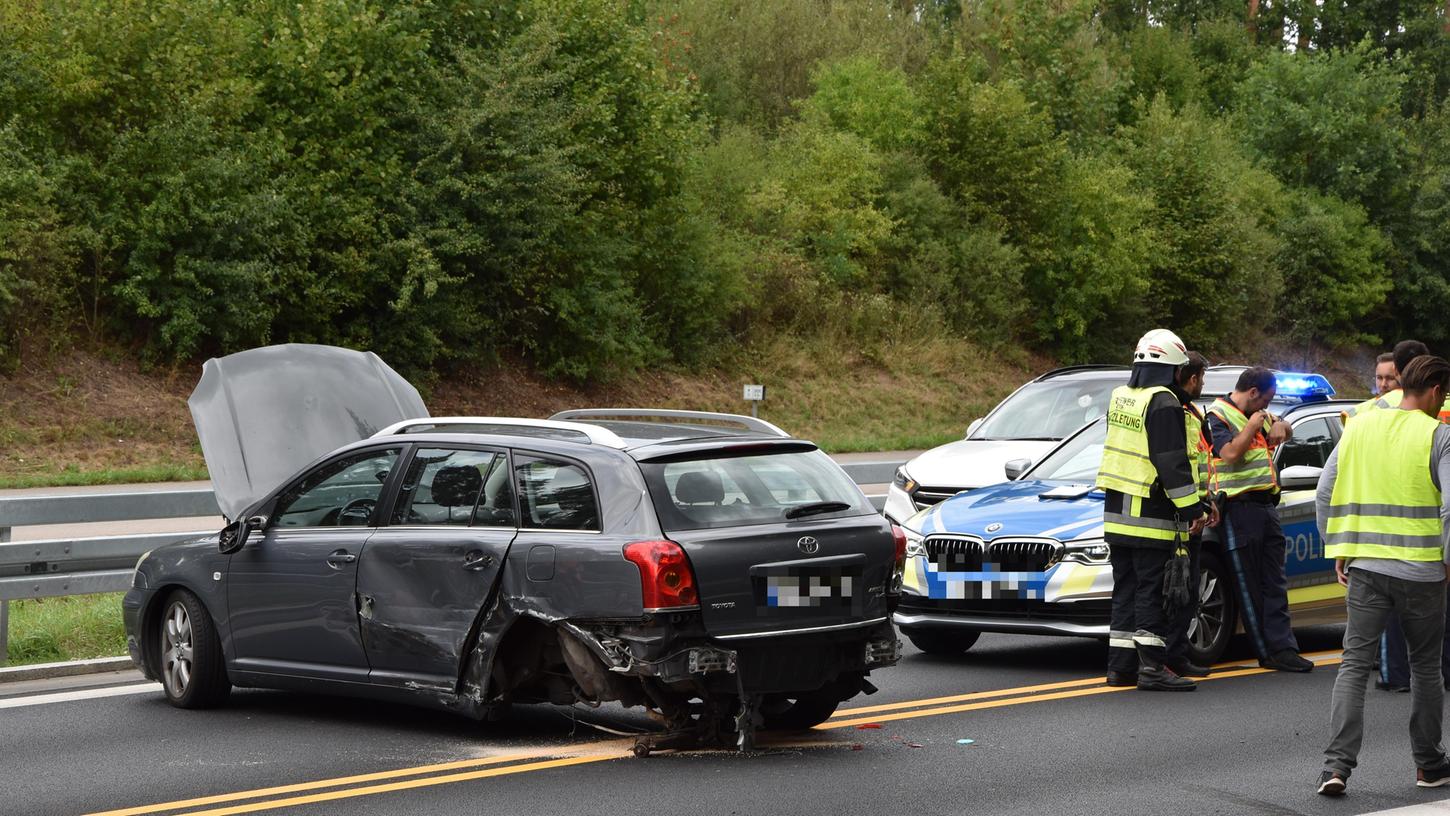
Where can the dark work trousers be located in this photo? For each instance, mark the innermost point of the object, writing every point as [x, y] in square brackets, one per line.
[1394, 656]
[1179, 642]
[1139, 629]
[1256, 558]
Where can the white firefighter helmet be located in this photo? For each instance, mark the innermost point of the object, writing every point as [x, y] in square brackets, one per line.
[1161, 346]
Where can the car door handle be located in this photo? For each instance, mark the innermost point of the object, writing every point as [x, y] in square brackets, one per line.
[475, 561]
[339, 557]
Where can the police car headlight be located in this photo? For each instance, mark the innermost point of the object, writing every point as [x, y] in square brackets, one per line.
[1086, 551]
[915, 544]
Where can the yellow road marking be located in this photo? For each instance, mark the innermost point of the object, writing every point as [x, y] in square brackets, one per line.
[397, 786]
[1012, 692]
[1062, 695]
[1013, 696]
[322, 783]
[976, 695]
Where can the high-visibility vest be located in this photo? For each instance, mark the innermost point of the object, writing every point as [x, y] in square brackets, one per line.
[1255, 471]
[1200, 451]
[1389, 399]
[1126, 467]
[1384, 503]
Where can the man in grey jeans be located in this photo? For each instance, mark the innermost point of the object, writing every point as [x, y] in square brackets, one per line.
[1380, 510]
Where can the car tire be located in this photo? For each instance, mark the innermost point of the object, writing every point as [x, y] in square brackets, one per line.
[943, 642]
[189, 654]
[799, 713]
[1217, 618]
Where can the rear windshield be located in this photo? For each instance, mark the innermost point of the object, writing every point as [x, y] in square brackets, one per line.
[740, 490]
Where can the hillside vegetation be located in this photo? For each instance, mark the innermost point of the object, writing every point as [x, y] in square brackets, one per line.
[613, 192]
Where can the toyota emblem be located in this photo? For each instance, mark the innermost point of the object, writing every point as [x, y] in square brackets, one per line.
[994, 526]
[808, 545]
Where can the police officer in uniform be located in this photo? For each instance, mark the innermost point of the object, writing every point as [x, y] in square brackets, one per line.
[1379, 507]
[1152, 506]
[1244, 437]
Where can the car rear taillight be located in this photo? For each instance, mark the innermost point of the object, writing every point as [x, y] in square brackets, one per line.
[666, 580]
[899, 536]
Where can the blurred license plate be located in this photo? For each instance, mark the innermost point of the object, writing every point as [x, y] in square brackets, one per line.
[823, 588]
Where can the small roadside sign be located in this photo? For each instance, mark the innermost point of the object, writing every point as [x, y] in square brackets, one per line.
[755, 393]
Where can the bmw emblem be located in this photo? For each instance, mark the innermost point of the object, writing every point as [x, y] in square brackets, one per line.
[808, 545]
[994, 526]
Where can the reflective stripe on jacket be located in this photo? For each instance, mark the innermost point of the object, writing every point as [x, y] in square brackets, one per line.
[1385, 504]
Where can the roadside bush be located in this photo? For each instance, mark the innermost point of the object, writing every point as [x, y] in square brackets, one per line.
[1332, 260]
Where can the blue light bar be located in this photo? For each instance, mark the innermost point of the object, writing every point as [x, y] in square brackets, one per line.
[1302, 385]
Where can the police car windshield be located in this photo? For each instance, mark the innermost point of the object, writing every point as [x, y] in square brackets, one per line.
[1076, 460]
[1050, 410]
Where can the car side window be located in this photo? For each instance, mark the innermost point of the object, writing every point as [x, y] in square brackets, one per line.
[1311, 444]
[455, 487]
[342, 493]
[555, 495]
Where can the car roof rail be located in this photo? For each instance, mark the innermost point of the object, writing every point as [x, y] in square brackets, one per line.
[592, 434]
[705, 419]
[1073, 369]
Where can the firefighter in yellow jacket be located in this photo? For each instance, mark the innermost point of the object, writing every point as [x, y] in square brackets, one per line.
[1153, 505]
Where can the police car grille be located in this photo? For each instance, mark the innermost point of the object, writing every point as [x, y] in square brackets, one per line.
[958, 553]
[970, 554]
[1024, 555]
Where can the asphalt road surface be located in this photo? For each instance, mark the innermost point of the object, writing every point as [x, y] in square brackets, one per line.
[1047, 738]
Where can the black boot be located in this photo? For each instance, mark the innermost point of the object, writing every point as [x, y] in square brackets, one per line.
[1162, 679]
[1122, 679]
[1187, 668]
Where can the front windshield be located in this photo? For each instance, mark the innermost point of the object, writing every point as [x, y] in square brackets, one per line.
[1077, 460]
[1049, 410]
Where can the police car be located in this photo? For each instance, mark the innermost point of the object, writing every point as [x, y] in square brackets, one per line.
[1027, 556]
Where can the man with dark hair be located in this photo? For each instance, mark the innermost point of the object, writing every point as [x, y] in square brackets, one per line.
[1244, 437]
[1152, 506]
[1190, 382]
[1379, 506]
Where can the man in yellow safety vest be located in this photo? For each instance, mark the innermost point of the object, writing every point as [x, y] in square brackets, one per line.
[1152, 506]
[1245, 435]
[1387, 385]
[1379, 506]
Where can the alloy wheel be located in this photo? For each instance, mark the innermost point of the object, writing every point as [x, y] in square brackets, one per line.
[176, 657]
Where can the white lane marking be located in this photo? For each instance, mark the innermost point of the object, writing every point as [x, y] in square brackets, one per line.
[1428, 809]
[80, 694]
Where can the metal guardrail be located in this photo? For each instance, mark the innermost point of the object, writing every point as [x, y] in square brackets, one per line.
[57, 567]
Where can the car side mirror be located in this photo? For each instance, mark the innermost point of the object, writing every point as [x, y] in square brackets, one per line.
[1299, 477]
[972, 428]
[234, 536]
[1014, 468]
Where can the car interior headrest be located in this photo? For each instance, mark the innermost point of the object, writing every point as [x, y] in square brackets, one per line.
[457, 486]
[700, 487]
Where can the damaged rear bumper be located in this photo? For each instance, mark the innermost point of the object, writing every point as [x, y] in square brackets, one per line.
[774, 661]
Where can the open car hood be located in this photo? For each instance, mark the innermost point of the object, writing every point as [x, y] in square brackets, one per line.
[264, 413]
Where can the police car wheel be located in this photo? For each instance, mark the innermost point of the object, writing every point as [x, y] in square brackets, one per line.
[935, 641]
[1213, 626]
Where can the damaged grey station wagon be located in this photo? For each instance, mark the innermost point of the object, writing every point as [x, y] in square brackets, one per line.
[706, 566]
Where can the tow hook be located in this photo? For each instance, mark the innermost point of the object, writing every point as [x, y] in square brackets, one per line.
[700, 661]
[883, 651]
